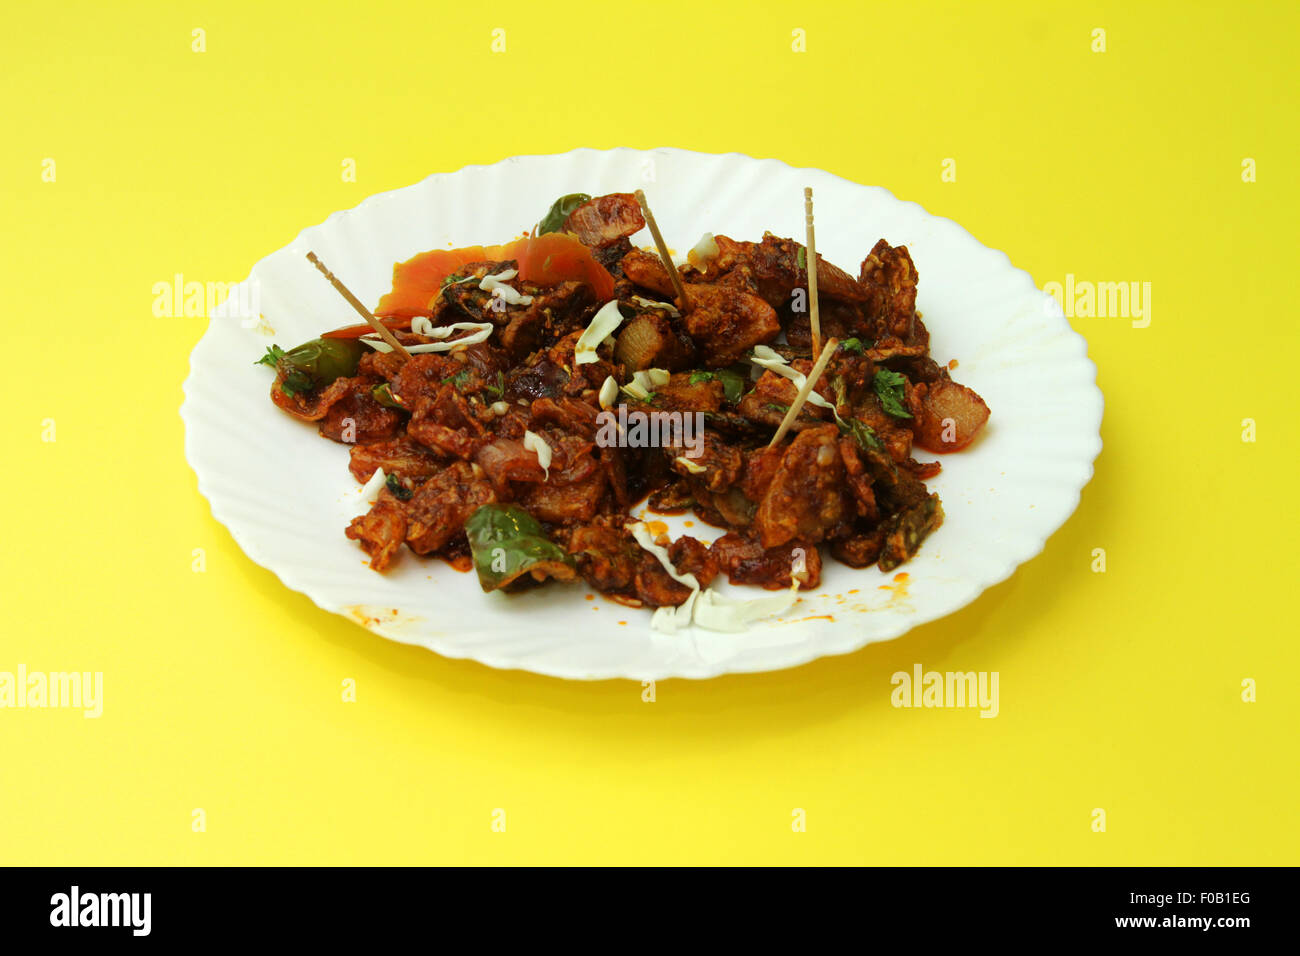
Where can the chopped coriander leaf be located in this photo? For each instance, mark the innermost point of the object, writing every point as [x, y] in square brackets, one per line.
[459, 379]
[860, 432]
[272, 356]
[889, 386]
[853, 345]
[399, 490]
[733, 382]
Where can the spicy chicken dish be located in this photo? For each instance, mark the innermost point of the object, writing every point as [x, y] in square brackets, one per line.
[545, 387]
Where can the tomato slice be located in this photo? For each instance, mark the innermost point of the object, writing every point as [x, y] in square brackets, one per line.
[557, 257]
[545, 260]
[417, 280]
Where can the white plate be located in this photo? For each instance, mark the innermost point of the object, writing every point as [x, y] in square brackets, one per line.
[283, 491]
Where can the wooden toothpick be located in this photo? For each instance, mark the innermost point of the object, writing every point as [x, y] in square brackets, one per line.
[810, 242]
[673, 274]
[365, 313]
[802, 396]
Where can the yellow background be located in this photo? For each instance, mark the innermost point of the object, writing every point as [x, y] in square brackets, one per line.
[1119, 690]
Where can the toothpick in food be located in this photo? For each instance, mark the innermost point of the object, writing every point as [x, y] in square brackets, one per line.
[673, 274]
[809, 383]
[810, 242]
[379, 327]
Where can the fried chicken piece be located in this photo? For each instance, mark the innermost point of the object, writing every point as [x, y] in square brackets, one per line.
[576, 485]
[805, 499]
[439, 508]
[606, 554]
[398, 456]
[744, 560]
[724, 324]
[716, 467]
[314, 405]
[647, 270]
[860, 549]
[683, 393]
[779, 266]
[357, 417]
[692, 556]
[605, 219]
[381, 531]
[859, 480]
[890, 278]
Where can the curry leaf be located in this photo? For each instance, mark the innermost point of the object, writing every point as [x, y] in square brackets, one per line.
[559, 211]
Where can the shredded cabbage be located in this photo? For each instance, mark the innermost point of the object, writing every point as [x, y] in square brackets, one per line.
[536, 443]
[603, 324]
[706, 608]
[775, 362]
[497, 286]
[483, 330]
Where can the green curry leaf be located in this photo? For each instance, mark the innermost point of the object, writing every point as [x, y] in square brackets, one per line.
[559, 211]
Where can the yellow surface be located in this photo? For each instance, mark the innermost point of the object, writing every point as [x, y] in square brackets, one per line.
[222, 689]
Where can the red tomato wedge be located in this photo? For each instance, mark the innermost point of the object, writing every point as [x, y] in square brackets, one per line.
[417, 280]
[558, 257]
[545, 260]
